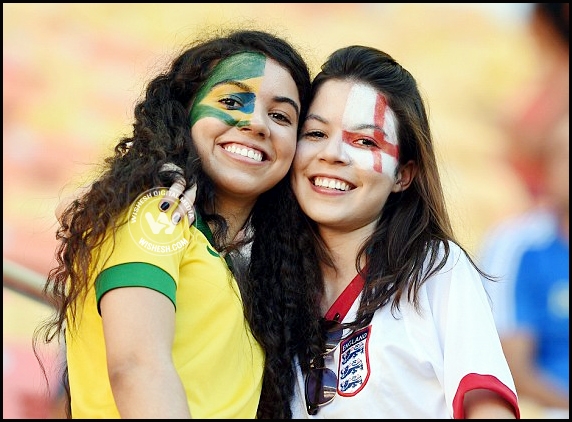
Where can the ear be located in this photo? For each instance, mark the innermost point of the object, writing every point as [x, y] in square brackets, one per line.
[405, 176]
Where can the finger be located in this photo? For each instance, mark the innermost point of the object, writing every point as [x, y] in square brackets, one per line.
[173, 193]
[178, 186]
[186, 206]
[188, 200]
[171, 167]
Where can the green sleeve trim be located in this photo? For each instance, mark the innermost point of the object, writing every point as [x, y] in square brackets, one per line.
[135, 274]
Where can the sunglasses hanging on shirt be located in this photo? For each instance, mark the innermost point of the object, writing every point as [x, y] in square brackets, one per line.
[321, 382]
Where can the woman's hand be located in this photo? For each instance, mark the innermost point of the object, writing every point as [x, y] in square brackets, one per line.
[178, 192]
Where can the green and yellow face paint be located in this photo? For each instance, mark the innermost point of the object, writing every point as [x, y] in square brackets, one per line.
[229, 94]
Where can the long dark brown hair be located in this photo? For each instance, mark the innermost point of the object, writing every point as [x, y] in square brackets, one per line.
[403, 251]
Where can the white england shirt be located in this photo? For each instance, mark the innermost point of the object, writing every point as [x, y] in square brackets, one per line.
[416, 364]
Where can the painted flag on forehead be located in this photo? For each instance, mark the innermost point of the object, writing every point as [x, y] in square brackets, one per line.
[367, 108]
[230, 91]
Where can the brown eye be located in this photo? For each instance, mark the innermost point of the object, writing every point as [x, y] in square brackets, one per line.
[230, 103]
[280, 117]
[314, 134]
[366, 142]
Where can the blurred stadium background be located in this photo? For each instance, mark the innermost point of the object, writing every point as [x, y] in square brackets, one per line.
[72, 74]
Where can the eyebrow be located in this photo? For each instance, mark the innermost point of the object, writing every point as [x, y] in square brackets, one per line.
[246, 87]
[316, 117]
[370, 126]
[358, 127]
[289, 101]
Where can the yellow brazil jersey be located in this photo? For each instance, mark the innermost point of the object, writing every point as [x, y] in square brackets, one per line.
[218, 360]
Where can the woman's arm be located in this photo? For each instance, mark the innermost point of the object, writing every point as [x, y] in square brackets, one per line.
[486, 404]
[139, 327]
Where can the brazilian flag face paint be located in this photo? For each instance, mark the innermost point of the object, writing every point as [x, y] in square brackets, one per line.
[229, 94]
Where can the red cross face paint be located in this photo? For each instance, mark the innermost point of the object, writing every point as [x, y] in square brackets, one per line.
[347, 156]
[367, 112]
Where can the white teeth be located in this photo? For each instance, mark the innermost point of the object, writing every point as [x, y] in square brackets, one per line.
[331, 183]
[245, 152]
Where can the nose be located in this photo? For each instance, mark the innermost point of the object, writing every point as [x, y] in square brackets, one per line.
[334, 150]
[256, 122]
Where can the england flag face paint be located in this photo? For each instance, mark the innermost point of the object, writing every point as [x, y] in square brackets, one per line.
[366, 112]
[347, 156]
